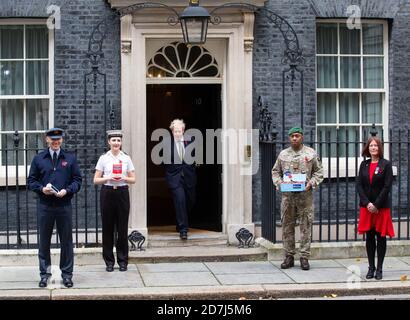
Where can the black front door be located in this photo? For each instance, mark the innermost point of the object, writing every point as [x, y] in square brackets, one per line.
[199, 105]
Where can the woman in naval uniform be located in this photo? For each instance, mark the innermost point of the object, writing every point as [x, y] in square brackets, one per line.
[115, 171]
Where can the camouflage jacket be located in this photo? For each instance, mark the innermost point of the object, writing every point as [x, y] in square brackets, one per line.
[305, 161]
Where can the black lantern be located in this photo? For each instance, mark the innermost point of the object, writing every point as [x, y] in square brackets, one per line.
[194, 23]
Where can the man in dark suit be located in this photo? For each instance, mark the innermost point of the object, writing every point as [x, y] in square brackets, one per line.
[180, 176]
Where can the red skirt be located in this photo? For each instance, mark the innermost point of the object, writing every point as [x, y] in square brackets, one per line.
[380, 221]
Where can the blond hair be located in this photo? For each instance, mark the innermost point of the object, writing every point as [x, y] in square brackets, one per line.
[177, 123]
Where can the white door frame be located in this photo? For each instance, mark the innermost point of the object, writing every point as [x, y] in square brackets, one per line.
[236, 113]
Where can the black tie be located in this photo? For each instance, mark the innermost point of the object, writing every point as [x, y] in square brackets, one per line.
[55, 159]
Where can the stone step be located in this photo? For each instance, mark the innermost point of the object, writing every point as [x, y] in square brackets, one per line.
[198, 254]
[196, 238]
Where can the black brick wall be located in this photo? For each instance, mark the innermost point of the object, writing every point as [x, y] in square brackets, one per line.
[302, 15]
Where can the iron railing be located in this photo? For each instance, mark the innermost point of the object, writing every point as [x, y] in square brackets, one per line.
[336, 199]
[18, 210]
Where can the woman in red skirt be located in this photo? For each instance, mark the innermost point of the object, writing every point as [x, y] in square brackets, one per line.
[374, 184]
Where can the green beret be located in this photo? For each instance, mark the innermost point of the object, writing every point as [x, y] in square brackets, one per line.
[295, 130]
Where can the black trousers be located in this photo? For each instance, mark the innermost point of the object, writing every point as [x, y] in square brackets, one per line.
[115, 208]
[184, 200]
[62, 216]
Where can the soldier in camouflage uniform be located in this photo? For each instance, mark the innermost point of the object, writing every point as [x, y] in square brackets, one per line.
[297, 205]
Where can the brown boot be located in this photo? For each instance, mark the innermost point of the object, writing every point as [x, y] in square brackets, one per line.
[304, 264]
[288, 263]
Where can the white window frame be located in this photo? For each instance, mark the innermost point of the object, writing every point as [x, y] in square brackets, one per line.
[351, 170]
[11, 170]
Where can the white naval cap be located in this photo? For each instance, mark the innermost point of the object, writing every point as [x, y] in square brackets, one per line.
[114, 133]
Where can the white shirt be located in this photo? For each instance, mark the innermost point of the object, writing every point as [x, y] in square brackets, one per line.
[105, 165]
[52, 152]
[180, 145]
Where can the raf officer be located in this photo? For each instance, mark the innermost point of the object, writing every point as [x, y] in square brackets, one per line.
[298, 158]
[55, 177]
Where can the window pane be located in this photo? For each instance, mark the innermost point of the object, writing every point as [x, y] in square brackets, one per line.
[372, 39]
[350, 72]
[348, 141]
[366, 133]
[8, 153]
[373, 73]
[37, 114]
[35, 143]
[11, 115]
[327, 141]
[326, 108]
[349, 108]
[11, 42]
[327, 73]
[326, 38]
[349, 40]
[11, 78]
[37, 42]
[37, 77]
[372, 108]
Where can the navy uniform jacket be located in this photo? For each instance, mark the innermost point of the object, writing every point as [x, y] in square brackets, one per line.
[66, 175]
[174, 170]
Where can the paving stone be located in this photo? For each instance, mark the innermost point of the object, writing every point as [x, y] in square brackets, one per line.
[318, 275]
[116, 279]
[390, 264]
[313, 263]
[101, 268]
[172, 267]
[19, 274]
[405, 260]
[154, 279]
[241, 267]
[259, 278]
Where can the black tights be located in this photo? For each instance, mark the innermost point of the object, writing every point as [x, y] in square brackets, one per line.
[371, 248]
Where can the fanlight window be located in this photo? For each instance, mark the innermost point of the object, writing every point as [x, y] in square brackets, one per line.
[176, 60]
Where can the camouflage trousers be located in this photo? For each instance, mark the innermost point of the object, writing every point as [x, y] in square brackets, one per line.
[297, 206]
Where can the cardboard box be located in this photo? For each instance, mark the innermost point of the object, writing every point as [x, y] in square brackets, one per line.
[293, 182]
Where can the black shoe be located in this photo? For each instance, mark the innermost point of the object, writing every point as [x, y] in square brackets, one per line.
[370, 273]
[68, 283]
[123, 268]
[379, 274]
[288, 263]
[43, 283]
[110, 268]
[304, 264]
[183, 236]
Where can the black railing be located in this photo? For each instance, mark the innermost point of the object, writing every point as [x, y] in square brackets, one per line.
[336, 199]
[18, 210]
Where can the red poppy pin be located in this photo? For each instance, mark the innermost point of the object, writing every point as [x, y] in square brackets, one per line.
[306, 159]
[64, 163]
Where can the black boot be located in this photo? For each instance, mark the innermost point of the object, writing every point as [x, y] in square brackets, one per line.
[370, 273]
[288, 263]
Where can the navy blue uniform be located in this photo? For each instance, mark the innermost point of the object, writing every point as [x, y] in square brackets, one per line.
[65, 174]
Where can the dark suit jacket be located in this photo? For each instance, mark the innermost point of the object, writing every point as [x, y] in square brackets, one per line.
[174, 170]
[377, 192]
